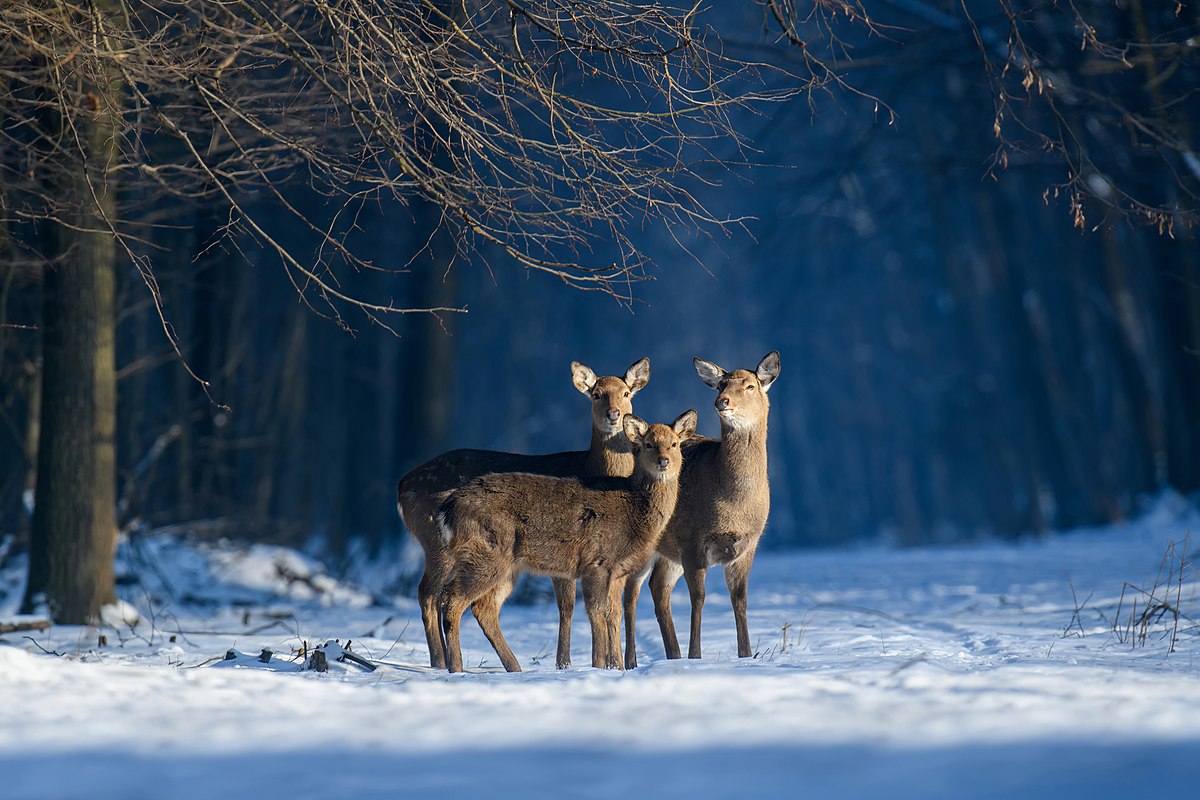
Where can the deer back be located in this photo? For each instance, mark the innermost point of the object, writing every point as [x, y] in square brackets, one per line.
[421, 491]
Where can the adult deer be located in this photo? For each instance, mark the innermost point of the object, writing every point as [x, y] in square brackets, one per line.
[421, 491]
[599, 530]
[724, 499]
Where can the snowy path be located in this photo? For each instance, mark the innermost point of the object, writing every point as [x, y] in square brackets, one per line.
[930, 673]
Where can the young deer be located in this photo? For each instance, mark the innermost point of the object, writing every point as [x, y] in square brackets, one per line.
[421, 491]
[724, 498]
[599, 530]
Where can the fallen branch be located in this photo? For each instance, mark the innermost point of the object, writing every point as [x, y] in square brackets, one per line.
[359, 660]
[31, 625]
[319, 660]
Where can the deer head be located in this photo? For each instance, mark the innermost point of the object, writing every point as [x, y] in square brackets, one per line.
[612, 397]
[741, 395]
[656, 447]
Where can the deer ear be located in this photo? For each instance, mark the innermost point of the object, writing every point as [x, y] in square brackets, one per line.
[638, 375]
[583, 377]
[709, 372]
[685, 424]
[635, 427]
[768, 369]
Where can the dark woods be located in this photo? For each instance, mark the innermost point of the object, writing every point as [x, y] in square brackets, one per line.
[981, 360]
[974, 243]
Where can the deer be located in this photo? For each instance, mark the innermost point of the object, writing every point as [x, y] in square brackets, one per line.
[422, 490]
[724, 500]
[597, 530]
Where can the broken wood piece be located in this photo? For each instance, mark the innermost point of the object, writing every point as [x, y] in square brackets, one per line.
[357, 659]
[30, 625]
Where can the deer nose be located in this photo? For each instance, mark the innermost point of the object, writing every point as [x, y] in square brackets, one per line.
[722, 403]
[663, 463]
[614, 414]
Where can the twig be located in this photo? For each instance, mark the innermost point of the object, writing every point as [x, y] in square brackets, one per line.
[1076, 619]
[39, 647]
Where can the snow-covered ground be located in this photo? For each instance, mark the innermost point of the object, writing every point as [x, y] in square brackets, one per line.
[935, 673]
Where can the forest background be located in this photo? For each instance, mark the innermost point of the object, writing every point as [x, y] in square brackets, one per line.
[969, 229]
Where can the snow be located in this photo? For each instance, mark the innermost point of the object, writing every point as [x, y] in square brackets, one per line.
[120, 615]
[934, 673]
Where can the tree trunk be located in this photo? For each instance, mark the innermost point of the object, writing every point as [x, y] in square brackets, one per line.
[428, 390]
[74, 527]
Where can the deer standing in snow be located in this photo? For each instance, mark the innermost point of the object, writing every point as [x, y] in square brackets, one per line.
[724, 499]
[421, 491]
[599, 530]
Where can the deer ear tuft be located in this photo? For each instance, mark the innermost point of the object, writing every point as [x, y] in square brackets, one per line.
[768, 369]
[583, 377]
[635, 427]
[709, 372]
[685, 424]
[638, 375]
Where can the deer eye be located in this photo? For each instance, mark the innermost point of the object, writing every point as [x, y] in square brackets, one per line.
[595, 395]
[675, 444]
[627, 393]
[749, 387]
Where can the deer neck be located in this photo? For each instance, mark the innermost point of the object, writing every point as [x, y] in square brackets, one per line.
[610, 456]
[658, 499]
[743, 453]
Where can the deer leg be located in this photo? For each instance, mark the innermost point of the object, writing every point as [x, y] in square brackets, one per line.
[481, 582]
[427, 595]
[633, 588]
[564, 595]
[613, 619]
[695, 581]
[452, 608]
[737, 577]
[662, 581]
[595, 597]
[487, 613]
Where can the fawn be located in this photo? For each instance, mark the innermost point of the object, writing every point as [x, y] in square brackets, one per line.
[421, 491]
[599, 530]
[724, 499]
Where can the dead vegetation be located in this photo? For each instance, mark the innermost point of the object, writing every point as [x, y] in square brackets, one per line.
[1147, 615]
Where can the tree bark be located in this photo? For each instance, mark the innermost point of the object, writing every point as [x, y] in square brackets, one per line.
[74, 526]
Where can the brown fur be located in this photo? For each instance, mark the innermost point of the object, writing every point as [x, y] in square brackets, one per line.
[724, 500]
[421, 491]
[599, 530]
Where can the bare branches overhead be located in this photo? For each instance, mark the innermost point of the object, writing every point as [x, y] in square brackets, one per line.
[1103, 92]
[537, 127]
[1108, 90]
